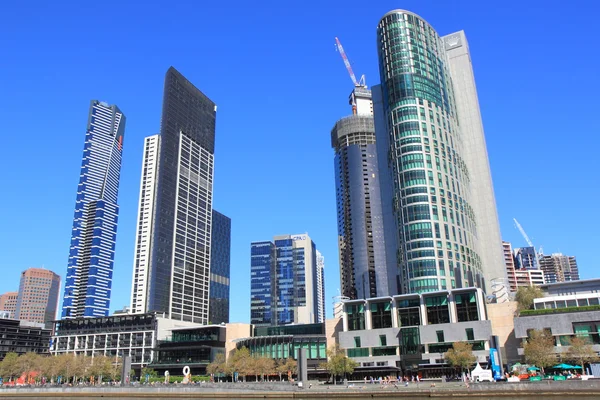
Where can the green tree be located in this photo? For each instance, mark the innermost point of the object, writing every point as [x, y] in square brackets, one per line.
[525, 296]
[581, 352]
[150, 373]
[285, 366]
[460, 356]
[265, 366]
[338, 364]
[10, 366]
[240, 362]
[27, 364]
[539, 349]
[217, 366]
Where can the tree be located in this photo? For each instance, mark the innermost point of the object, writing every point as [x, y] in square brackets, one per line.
[580, 351]
[539, 349]
[285, 366]
[240, 362]
[525, 296]
[265, 366]
[9, 367]
[460, 355]
[338, 363]
[27, 364]
[217, 366]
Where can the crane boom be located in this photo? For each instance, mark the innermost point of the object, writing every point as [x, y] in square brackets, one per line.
[346, 62]
[520, 228]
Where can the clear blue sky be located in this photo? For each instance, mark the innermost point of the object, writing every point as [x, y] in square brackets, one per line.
[279, 84]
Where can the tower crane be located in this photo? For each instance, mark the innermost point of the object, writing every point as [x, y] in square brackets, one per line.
[359, 83]
[520, 228]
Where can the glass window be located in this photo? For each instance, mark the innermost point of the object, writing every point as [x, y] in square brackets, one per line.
[357, 341]
[437, 310]
[470, 334]
[593, 301]
[356, 317]
[582, 302]
[410, 342]
[381, 315]
[440, 336]
[466, 307]
[382, 340]
[409, 312]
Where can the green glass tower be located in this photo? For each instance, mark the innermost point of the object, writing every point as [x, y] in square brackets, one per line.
[421, 154]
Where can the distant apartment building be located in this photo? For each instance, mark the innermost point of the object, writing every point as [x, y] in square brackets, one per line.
[526, 258]
[517, 275]
[559, 268]
[8, 303]
[38, 296]
[284, 282]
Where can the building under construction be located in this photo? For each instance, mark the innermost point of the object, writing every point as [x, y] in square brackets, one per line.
[363, 268]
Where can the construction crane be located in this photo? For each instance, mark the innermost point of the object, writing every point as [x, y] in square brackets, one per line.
[360, 83]
[520, 228]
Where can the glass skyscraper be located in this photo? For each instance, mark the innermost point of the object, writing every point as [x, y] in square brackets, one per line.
[425, 161]
[220, 255]
[262, 282]
[90, 268]
[364, 271]
[284, 282]
[172, 260]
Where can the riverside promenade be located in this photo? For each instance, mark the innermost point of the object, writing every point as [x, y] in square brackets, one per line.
[578, 389]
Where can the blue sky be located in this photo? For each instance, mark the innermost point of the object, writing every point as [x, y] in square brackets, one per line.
[279, 84]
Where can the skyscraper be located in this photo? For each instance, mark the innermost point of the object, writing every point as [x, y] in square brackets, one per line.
[364, 271]
[424, 162]
[475, 155]
[89, 272]
[145, 222]
[38, 296]
[220, 255]
[320, 287]
[559, 268]
[8, 303]
[284, 281]
[172, 260]
[262, 283]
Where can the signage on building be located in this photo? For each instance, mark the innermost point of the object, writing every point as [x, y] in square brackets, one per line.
[298, 237]
[495, 364]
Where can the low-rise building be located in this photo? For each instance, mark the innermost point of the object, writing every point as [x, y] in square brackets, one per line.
[567, 309]
[409, 334]
[23, 337]
[134, 335]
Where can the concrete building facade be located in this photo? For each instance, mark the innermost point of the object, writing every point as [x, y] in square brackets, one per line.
[8, 303]
[411, 332]
[38, 296]
[475, 155]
